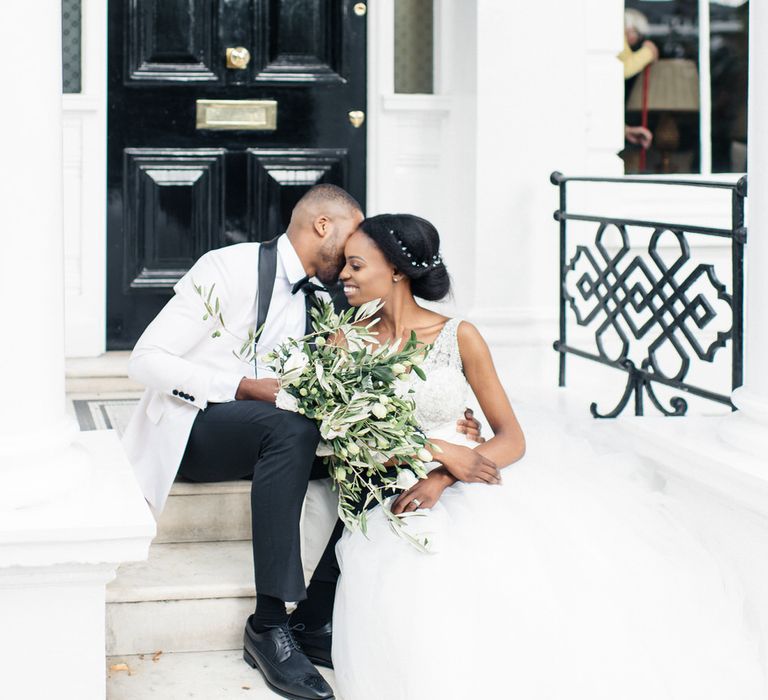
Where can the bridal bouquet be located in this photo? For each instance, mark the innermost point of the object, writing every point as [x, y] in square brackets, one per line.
[359, 392]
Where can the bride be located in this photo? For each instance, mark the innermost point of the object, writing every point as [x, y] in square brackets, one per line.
[551, 577]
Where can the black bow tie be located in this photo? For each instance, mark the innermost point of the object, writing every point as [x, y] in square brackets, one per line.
[304, 285]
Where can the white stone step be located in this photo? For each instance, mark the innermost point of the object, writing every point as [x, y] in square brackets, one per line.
[216, 675]
[106, 374]
[206, 513]
[186, 597]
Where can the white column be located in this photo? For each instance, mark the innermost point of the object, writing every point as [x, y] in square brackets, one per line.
[36, 458]
[747, 429]
[70, 508]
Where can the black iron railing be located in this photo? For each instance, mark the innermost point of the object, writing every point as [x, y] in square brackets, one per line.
[639, 299]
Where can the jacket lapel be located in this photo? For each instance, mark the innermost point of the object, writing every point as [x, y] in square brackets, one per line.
[267, 274]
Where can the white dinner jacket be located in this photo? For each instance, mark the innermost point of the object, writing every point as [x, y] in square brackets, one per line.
[184, 368]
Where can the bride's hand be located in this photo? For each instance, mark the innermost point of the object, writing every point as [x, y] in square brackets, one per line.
[468, 465]
[424, 493]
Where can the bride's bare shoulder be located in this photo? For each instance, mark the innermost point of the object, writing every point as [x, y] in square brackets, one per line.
[471, 342]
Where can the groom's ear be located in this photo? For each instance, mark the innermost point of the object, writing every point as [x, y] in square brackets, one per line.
[322, 225]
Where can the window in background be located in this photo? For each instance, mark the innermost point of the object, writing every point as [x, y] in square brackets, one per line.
[414, 46]
[729, 29]
[696, 94]
[71, 26]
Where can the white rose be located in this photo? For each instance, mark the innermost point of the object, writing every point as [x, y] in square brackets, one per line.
[324, 450]
[379, 410]
[294, 367]
[286, 401]
[353, 449]
[405, 479]
[296, 360]
[398, 368]
[424, 455]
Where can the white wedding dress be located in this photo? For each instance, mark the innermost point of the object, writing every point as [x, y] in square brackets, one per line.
[571, 581]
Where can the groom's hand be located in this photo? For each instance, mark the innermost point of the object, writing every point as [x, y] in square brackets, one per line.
[257, 390]
[470, 427]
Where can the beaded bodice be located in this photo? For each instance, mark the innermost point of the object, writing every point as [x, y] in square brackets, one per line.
[442, 397]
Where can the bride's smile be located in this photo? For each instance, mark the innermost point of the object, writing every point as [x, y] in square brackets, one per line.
[367, 274]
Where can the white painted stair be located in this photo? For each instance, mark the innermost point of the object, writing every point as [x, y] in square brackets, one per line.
[213, 512]
[211, 675]
[174, 624]
[196, 590]
[190, 600]
[186, 597]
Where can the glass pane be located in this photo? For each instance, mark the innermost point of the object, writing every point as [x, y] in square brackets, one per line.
[729, 26]
[664, 96]
[414, 20]
[70, 44]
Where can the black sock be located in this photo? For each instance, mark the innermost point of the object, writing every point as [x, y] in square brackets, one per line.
[317, 609]
[270, 612]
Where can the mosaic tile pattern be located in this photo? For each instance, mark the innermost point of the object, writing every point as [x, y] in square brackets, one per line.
[414, 59]
[71, 41]
[104, 414]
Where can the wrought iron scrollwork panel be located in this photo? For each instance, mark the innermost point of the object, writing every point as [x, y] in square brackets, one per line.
[641, 307]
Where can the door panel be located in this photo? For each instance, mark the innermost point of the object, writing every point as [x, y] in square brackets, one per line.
[173, 213]
[278, 179]
[300, 40]
[176, 190]
[172, 40]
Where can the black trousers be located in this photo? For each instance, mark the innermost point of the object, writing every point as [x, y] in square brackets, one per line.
[276, 449]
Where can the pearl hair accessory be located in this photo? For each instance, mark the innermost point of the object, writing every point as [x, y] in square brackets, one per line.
[436, 259]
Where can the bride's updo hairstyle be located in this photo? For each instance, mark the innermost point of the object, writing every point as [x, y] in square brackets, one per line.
[412, 245]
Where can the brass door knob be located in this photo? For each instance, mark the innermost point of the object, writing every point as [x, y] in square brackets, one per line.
[238, 57]
[356, 118]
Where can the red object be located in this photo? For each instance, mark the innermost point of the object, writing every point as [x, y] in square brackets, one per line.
[644, 113]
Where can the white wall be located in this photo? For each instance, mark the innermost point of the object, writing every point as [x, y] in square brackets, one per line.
[85, 193]
[522, 89]
[421, 147]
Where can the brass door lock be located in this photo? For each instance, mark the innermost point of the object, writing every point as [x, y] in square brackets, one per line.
[238, 57]
[356, 118]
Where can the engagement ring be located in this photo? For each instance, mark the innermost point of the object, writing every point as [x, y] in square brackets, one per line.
[416, 501]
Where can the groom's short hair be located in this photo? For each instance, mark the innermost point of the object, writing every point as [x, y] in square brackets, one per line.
[326, 193]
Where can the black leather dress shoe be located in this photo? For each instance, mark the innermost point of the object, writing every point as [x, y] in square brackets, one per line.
[286, 669]
[316, 644]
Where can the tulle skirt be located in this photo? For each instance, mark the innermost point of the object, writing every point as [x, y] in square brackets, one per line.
[570, 581]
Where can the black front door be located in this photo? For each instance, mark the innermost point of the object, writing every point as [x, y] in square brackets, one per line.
[222, 113]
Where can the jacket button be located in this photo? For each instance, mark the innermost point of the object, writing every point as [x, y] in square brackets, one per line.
[175, 392]
[191, 398]
[185, 396]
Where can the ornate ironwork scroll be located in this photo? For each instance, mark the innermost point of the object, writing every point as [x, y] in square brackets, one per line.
[639, 300]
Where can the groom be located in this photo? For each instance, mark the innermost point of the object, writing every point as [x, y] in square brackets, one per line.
[209, 417]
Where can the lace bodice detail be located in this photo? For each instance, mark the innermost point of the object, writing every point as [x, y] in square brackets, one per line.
[442, 397]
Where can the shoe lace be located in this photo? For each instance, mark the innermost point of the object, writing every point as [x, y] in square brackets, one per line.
[285, 633]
